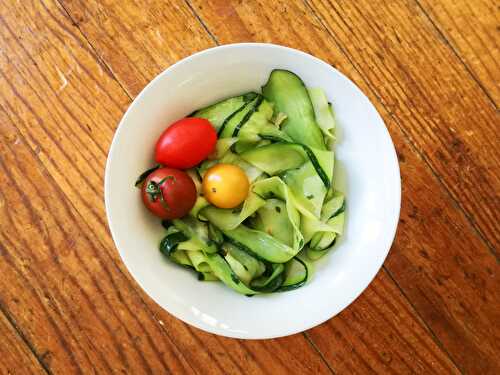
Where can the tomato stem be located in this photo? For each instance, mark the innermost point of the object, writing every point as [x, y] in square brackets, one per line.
[154, 192]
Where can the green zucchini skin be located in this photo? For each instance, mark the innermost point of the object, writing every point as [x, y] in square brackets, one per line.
[271, 280]
[261, 244]
[281, 156]
[249, 114]
[250, 263]
[217, 113]
[322, 172]
[169, 243]
[238, 118]
[289, 94]
[293, 281]
[223, 271]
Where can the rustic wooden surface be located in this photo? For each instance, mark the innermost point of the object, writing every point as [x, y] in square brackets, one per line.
[69, 69]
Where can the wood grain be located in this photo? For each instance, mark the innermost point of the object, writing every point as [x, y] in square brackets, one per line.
[472, 28]
[138, 39]
[431, 96]
[446, 270]
[380, 334]
[454, 290]
[62, 277]
[16, 358]
[71, 304]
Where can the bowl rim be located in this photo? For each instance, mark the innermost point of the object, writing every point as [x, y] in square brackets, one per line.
[391, 226]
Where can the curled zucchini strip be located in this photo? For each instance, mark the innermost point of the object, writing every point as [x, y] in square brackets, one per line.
[197, 232]
[276, 158]
[279, 157]
[254, 266]
[200, 203]
[322, 112]
[322, 233]
[181, 259]
[296, 275]
[259, 127]
[307, 190]
[257, 120]
[222, 146]
[169, 247]
[234, 274]
[289, 95]
[271, 280]
[226, 219]
[260, 244]
[231, 126]
[198, 260]
[221, 268]
[171, 240]
[275, 187]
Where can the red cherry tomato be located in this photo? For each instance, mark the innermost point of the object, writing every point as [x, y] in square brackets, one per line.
[186, 143]
[169, 193]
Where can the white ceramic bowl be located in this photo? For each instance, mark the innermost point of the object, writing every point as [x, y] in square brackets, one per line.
[366, 170]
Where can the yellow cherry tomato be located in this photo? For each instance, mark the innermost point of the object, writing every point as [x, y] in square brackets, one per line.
[225, 185]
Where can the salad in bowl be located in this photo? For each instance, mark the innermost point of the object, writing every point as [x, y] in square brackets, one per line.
[245, 187]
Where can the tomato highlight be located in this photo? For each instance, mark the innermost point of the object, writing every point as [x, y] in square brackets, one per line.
[186, 143]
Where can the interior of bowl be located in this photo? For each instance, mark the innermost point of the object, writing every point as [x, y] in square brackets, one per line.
[366, 170]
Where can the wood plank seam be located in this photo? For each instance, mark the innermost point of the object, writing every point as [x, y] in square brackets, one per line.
[429, 329]
[41, 223]
[113, 76]
[458, 211]
[21, 335]
[477, 230]
[311, 342]
[7, 112]
[97, 57]
[455, 51]
[87, 297]
[202, 23]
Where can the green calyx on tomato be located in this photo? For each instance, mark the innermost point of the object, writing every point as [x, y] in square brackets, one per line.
[169, 193]
[154, 191]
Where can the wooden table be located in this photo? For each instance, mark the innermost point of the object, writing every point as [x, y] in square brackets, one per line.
[70, 68]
